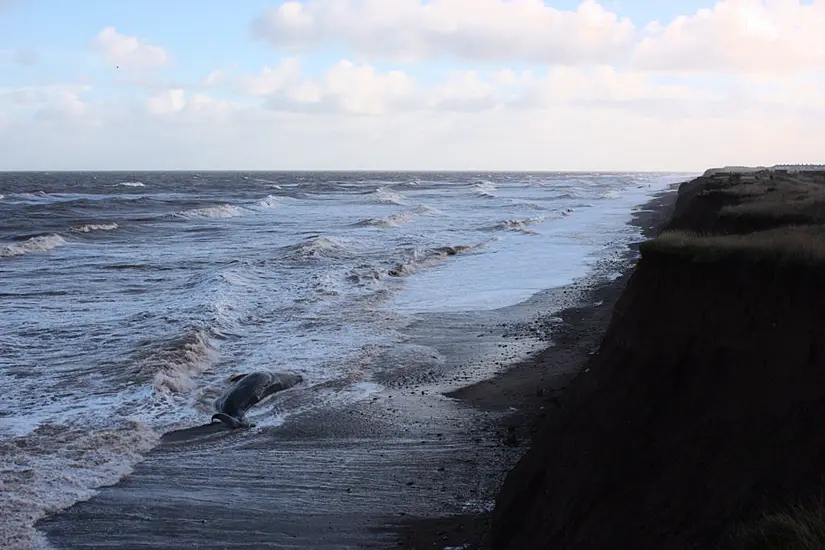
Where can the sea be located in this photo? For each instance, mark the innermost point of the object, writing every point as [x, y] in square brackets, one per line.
[127, 300]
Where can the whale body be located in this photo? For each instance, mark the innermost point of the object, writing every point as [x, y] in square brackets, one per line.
[246, 391]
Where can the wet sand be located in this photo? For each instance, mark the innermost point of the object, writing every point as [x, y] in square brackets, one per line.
[417, 465]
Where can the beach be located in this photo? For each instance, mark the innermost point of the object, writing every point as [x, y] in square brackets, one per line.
[133, 300]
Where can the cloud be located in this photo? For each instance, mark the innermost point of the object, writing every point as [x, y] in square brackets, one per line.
[168, 102]
[741, 36]
[477, 30]
[56, 101]
[360, 89]
[215, 78]
[271, 80]
[129, 52]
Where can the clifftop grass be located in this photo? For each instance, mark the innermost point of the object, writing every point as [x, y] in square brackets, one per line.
[803, 245]
[799, 528]
[781, 218]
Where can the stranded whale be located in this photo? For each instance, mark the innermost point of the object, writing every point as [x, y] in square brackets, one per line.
[246, 391]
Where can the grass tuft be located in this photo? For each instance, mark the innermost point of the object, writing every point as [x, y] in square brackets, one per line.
[804, 244]
[799, 528]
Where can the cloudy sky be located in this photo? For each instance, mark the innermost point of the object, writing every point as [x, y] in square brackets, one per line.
[410, 84]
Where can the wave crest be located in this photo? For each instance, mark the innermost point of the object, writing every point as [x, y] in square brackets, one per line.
[383, 195]
[270, 201]
[41, 243]
[88, 228]
[319, 247]
[221, 211]
[132, 184]
[428, 258]
[174, 367]
[521, 226]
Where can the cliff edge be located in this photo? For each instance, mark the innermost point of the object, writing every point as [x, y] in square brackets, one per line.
[704, 408]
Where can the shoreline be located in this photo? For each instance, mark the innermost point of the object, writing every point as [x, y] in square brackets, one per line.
[387, 462]
[529, 390]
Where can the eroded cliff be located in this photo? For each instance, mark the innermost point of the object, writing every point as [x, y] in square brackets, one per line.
[705, 405]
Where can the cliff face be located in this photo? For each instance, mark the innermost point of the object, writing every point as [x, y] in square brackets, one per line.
[704, 406]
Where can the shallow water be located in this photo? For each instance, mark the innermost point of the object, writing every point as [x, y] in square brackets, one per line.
[128, 299]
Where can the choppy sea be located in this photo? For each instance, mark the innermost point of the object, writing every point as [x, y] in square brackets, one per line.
[128, 299]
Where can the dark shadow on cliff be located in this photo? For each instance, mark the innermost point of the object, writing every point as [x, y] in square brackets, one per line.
[704, 408]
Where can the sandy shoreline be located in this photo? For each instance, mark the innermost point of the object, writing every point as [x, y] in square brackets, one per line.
[532, 387]
[372, 474]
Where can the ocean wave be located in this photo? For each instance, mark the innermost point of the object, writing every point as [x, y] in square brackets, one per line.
[485, 189]
[40, 243]
[56, 466]
[269, 201]
[319, 247]
[393, 220]
[515, 204]
[174, 367]
[32, 196]
[221, 211]
[399, 218]
[383, 195]
[88, 228]
[132, 184]
[419, 259]
[521, 226]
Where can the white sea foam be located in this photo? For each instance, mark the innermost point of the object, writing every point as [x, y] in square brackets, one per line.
[57, 465]
[319, 247]
[420, 259]
[270, 201]
[132, 184]
[393, 220]
[521, 226]
[221, 211]
[383, 195]
[485, 189]
[88, 228]
[176, 367]
[41, 243]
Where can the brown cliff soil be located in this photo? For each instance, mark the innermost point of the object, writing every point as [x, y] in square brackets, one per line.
[704, 408]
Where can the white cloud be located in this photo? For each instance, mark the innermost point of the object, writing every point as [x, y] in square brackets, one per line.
[272, 80]
[215, 78]
[128, 52]
[488, 30]
[585, 118]
[62, 100]
[773, 36]
[168, 102]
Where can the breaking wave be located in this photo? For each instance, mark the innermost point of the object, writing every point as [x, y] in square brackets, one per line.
[485, 189]
[222, 211]
[174, 367]
[88, 228]
[57, 465]
[390, 221]
[399, 218]
[270, 201]
[41, 243]
[521, 226]
[383, 195]
[430, 257]
[319, 247]
[132, 184]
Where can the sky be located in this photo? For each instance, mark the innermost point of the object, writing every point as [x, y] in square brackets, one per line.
[680, 85]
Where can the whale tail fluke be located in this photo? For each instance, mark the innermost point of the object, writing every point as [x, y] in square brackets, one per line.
[230, 421]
